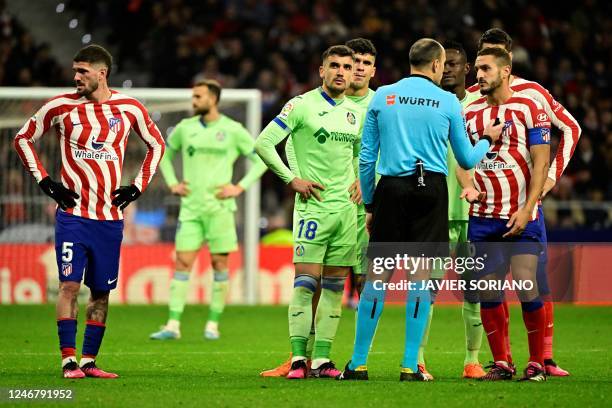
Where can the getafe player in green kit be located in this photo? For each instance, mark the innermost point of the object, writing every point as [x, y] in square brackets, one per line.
[324, 127]
[456, 68]
[210, 143]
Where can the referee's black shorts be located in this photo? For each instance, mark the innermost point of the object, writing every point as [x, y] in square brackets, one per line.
[403, 212]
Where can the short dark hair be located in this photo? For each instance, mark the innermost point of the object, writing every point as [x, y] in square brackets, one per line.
[95, 54]
[496, 36]
[499, 54]
[361, 46]
[455, 45]
[424, 51]
[213, 86]
[339, 50]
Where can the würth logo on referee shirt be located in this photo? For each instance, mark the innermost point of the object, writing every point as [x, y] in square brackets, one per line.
[391, 99]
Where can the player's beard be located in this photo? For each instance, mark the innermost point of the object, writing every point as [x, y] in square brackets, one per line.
[201, 111]
[492, 87]
[337, 89]
[88, 90]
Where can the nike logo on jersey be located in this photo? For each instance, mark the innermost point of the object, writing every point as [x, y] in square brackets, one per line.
[110, 282]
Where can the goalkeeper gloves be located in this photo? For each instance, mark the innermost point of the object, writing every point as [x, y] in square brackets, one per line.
[124, 195]
[62, 195]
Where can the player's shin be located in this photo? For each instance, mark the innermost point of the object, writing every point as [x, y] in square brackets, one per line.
[178, 296]
[300, 314]
[425, 339]
[327, 318]
[418, 305]
[370, 308]
[94, 332]
[66, 331]
[494, 322]
[473, 331]
[219, 294]
[534, 316]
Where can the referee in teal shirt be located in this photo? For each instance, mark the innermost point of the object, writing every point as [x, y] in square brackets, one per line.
[409, 123]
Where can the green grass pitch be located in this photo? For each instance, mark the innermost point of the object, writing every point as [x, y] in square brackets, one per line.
[196, 372]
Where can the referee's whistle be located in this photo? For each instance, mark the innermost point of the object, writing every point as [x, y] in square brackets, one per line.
[420, 173]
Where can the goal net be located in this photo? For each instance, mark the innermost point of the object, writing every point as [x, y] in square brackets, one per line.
[27, 215]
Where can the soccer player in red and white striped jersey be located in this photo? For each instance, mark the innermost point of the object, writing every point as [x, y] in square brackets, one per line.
[570, 133]
[92, 125]
[512, 177]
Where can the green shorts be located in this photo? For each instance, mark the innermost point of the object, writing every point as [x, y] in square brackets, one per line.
[325, 238]
[218, 230]
[457, 231]
[363, 238]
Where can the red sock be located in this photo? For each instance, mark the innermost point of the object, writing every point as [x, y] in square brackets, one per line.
[493, 322]
[507, 330]
[535, 322]
[68, 352]
[548, 331]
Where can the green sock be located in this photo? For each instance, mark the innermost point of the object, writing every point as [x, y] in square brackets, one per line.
[179, 286]
[473, 331]
[425, 339]
[328, 316]
[219, 293]
[310, 343]
[300, 317]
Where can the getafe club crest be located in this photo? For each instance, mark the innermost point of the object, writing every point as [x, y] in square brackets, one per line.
[220, 136]
[299, 250]
[114, 124]
[350, 118]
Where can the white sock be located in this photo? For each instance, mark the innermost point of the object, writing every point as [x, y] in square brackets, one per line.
[174, 325]
[297, 358]
[317, 362]
[69, 359]
[85, 360]
[212, 326]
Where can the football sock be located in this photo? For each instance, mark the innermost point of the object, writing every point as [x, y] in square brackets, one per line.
[300, 314]
[219, 293]
[425, 340]
[178, 295]
[418, 305]
[327, 318]
[370, 308]
[534, 316]
[507, 331]
[493, 322]
[473, 331]
[548, 332]
[94, 332]
[311, 340]
[66, 331]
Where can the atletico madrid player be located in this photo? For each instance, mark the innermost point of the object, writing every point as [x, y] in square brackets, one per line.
[92, 125]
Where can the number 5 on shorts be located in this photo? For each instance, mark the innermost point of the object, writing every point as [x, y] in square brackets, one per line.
[311, 229]
[67, 251]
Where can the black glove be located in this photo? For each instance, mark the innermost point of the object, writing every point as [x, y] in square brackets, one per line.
[62, 195]
[124, 195]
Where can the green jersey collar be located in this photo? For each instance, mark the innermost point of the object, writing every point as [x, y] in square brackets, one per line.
[329, 99]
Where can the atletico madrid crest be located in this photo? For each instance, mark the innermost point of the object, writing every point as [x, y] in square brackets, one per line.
[114, 124]
[66, 269]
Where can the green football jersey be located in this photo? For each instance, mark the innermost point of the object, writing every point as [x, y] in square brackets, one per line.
[325, 133]
[458, 209]
[209, 151]
[363, 102]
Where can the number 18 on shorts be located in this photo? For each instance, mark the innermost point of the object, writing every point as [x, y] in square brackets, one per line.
[325, 238]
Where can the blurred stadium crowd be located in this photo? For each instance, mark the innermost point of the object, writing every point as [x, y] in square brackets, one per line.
[275, 46]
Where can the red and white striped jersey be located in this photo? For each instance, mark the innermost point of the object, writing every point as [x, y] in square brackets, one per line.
[92, 138]
[505, 172]
[559, 117]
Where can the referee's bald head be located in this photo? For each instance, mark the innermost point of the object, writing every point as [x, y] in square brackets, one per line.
[427, 57]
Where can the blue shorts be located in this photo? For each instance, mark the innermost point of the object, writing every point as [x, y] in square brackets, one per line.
[88, 247]
[487, 236]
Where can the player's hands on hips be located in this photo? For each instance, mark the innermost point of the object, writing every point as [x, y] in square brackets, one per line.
[494, 131]
[548, 185]
[64, 197]
[472, 195]
[355, 191]
[306, 188]
[517, 223]
[228, 191]
[181, 189]
[124, 195]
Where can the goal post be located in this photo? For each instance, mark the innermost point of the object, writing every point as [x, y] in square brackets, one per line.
[166, 107]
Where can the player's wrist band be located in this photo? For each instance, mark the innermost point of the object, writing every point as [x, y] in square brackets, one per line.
[487, 137]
